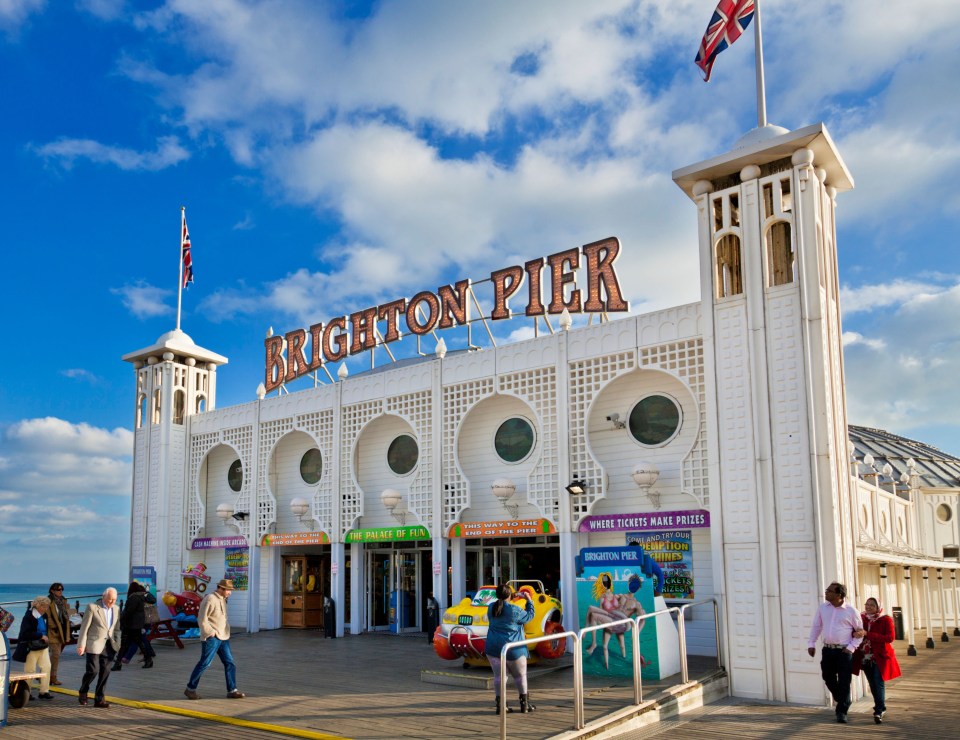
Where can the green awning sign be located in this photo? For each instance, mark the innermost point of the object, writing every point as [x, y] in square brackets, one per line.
[388, 534]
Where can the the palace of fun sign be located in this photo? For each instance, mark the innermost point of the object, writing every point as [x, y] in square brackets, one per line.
[427, 311]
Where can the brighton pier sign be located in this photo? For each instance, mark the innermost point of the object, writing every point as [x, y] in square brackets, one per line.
[287, 355]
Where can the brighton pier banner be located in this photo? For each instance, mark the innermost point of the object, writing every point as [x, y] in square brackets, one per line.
[449, 307]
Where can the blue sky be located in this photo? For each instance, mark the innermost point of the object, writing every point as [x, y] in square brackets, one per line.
[336, 156]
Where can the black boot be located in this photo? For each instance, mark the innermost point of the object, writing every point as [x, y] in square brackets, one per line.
[117, 666]
[498, 705]
[148, 663]
[525, 705]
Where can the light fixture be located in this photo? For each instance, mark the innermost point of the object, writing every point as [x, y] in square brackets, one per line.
[503, 489]
[566, 320]
[225, 511]
[342, 372]
[441, 348]
[300, 506]
[391, 499]
[614, 419]
[577, 487]
[645, 475]
[240, 515]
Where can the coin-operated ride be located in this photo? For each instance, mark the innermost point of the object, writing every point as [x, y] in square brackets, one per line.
[463, 629]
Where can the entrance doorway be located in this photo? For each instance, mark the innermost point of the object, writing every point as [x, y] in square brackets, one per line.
[495, 561]
[393, 598]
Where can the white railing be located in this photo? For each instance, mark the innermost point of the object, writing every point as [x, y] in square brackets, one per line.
[634, 627]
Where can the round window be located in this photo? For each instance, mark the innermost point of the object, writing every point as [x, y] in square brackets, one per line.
[235, 476]
[402, 454]
[311, 466]
[514, 440]
[944, 513]
[655, 420]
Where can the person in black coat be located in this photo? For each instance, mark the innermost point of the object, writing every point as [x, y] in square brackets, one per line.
[132, 621]
[33, 647]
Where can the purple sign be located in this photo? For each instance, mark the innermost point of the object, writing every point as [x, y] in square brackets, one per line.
[214, 543]
[653, 520]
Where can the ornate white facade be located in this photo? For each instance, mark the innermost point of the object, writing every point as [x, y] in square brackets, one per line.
[754, 372]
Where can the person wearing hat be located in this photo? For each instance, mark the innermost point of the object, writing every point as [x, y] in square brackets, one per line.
[215, 633]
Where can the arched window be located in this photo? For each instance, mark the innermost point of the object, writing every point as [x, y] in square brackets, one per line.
[201, 404]
[729, 276]
[156, 406]
[179, 402]
[141, 409]
[781, 261]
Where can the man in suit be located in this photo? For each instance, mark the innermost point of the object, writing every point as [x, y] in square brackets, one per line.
[99, 639]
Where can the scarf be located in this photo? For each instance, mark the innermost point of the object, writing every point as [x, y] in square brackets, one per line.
[868, 622]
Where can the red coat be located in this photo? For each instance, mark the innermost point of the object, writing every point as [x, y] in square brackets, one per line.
[880, 635]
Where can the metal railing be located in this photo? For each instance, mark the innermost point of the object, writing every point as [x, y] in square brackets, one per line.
[634, 625]
[25, 603]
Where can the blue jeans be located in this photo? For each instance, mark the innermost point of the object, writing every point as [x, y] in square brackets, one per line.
[872, 671]
[208, 649]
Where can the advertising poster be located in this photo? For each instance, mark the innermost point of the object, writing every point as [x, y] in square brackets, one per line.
[673, 551]
[236, 560]
[611, 585]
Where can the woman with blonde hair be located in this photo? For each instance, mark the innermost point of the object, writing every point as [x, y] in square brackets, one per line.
[33, 644]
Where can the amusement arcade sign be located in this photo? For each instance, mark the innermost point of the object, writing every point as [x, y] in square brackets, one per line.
[449, 306]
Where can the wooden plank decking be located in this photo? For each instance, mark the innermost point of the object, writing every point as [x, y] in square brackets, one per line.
[368, 687]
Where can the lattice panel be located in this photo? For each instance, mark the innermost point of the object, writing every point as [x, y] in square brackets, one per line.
[539, 389]
[457, 401]
[270, 433]
[417, 409]
[139, 504]
[319, 425]
[587, 377]
[200, 445]
[685, 360]
[354, 418]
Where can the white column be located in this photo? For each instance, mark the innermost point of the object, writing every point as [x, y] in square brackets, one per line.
[956, 610]
[338, 584]
[439, 564]
[910, 625]
[358, 578]
[943, 608]
[458, 563]
[928, 620]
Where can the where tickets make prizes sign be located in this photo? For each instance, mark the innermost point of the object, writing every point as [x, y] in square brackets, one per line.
[614, 583]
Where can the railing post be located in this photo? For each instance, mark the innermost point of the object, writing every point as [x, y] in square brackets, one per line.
[682, 630]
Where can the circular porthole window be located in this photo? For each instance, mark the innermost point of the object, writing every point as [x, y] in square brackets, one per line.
[235, 476]
[514, 439]
[311, 466]
[944, 513]
[402, 455]
[655, 420]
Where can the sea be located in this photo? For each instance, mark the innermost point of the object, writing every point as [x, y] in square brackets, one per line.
[15, 597]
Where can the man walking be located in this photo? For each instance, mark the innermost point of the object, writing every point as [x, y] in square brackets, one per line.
[841, 628]
[215, 633]
[99, 639]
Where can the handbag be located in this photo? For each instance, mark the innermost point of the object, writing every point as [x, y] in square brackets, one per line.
[37, 645]
[6, 619]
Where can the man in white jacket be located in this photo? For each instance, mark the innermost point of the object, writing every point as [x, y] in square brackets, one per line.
[215, 633]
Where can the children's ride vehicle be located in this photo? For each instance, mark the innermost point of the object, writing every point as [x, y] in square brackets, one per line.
[463, 629]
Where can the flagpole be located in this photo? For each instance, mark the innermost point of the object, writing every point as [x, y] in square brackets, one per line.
[758, 50]
[183, 221]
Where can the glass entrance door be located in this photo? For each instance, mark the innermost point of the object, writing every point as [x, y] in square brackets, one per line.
[380, 575]
[407, 590]
[490, 566]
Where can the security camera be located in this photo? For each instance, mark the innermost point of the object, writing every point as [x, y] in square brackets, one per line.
[614, 418]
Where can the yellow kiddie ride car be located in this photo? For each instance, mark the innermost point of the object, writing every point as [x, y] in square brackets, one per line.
[463, 629]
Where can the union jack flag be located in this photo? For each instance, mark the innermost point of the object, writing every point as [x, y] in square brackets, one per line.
[185, 253]
[729, 20]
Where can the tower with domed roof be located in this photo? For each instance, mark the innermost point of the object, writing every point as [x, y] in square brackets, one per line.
[175, 380]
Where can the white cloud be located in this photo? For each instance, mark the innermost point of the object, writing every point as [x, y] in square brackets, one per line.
[896, 293]
[13, 13]
[66, 152]
[144, 301]
[78, 373]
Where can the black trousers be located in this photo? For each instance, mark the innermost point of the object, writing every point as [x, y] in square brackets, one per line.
[98, 665]
[835, 665]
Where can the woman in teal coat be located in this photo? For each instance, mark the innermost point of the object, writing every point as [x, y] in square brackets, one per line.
[506, 625]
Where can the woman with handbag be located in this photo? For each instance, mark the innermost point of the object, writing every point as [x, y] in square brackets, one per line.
[33, 645]
[132, 621]
[58, 628]
[875, 656]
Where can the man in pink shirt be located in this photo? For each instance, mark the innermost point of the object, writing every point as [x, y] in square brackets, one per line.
[841, 628]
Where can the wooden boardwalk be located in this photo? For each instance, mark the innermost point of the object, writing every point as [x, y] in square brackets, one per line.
[368, 687]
